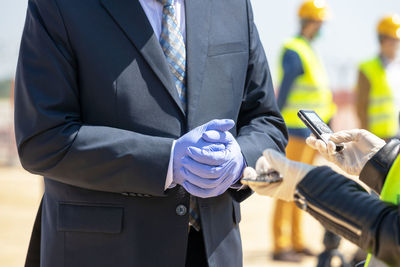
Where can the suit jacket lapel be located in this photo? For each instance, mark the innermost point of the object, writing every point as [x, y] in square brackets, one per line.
[129, 15]
[197, 32]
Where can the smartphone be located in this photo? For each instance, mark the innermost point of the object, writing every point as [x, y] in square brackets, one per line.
[266, 177]
[317, 126]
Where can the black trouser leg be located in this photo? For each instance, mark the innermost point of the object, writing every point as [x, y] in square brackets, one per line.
[196, 252]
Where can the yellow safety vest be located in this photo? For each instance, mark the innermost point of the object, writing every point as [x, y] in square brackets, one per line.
[382, 114]
[390, 193]
[310, 90]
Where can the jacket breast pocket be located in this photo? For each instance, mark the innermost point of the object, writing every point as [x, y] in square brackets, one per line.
[226, 48]
[77, 217]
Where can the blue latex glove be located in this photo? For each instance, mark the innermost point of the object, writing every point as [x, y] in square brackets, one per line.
[194, 139]
[212, 171]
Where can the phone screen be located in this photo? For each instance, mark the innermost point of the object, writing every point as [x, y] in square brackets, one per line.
[313, 116]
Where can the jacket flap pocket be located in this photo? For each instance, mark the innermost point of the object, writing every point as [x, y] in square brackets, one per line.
[227, 48]
[89, 218]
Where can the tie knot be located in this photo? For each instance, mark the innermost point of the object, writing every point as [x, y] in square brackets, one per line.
[167, 2]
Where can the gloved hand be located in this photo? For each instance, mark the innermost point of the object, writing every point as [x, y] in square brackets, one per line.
[291, 171]
[210, 172]
[194, 139]
[359, 147]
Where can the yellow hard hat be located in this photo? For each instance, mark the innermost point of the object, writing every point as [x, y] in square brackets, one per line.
[390, 26]
[314, 10]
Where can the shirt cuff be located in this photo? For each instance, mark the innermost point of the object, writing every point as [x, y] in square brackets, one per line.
[169, 181]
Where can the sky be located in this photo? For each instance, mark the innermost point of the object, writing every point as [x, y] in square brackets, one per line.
[346, 39]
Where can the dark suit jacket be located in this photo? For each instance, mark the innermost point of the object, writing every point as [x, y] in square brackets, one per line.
[97, 112]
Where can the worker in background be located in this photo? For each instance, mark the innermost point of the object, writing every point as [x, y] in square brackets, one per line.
[378, 87]
[303, 85]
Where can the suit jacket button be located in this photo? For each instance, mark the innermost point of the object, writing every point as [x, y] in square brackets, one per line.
[181, 210]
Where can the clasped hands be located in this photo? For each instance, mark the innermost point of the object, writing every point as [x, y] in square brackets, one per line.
[208, 160]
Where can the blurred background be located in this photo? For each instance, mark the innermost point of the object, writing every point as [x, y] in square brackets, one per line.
[347, 38]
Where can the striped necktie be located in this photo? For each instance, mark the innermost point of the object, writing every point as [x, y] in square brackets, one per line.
[173, 45]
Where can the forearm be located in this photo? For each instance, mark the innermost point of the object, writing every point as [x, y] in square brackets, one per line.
[343, 207]
[340, 204]
[260, 134]
[100, 158]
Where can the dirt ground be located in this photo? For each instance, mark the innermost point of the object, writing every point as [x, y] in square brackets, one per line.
[20, 195]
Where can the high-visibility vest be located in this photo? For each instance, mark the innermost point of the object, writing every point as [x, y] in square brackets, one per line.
[383, 118]
[310, 90]
[390, 193]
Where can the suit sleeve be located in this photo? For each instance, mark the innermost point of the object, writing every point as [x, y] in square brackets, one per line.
[334, 200]
[52, 138]
[260, 124]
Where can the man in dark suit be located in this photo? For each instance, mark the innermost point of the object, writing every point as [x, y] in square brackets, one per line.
[115, 106]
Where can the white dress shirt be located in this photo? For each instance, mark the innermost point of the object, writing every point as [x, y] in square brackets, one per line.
[154, 12]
